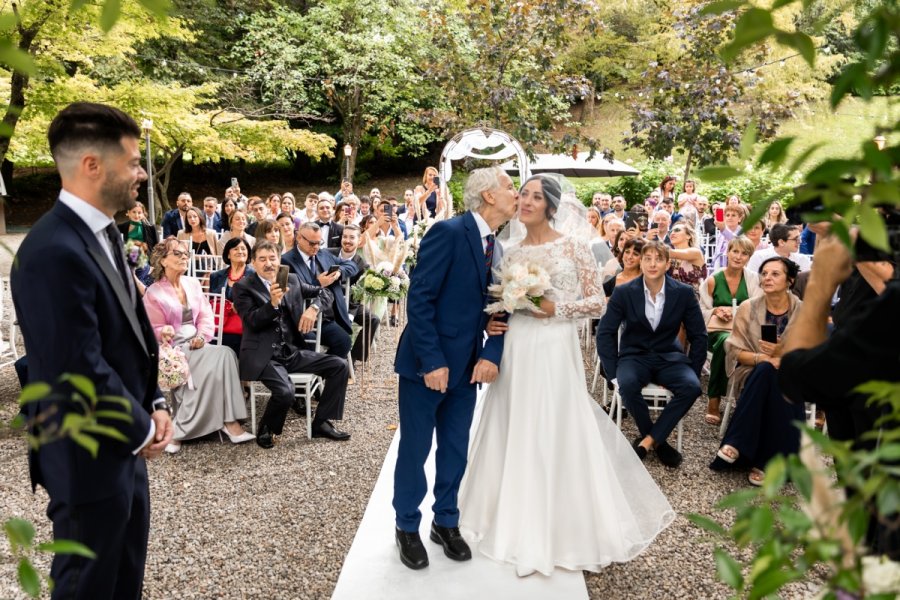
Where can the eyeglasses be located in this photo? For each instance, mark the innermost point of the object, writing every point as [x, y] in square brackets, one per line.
[310, 242]
[180, 253]
[794, 239]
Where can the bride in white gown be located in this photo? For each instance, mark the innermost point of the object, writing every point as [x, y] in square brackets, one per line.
[551, 481]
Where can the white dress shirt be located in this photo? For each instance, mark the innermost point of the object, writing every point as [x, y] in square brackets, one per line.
[653, 307]
[97, 222]
[760, 256]
[484, 230]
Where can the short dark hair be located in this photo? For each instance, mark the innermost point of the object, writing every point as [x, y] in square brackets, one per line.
[261, 245]
[254, 201]
[352, 227]
[779, 233]
[231, 244]
[657, 247]
[87, 124]
[791, 268]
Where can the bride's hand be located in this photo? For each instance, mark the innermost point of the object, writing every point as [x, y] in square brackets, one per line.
[548, 309]
[484, 372]
[496, 326]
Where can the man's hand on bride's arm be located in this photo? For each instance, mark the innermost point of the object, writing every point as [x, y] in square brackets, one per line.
[484, 372]
[437, 380]
[497, 325]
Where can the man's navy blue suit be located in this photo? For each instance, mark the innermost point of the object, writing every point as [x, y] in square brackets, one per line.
[335, 334]
[171, 223]
[76, 316]
[644, 355]
[445, 328]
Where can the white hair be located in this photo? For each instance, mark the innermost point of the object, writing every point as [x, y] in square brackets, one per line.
[480, 180]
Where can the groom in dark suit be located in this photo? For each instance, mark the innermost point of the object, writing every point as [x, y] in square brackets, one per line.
[80, 313]
[441, 356]
[653, 308]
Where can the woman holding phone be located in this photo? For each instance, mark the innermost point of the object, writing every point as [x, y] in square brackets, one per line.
[434, 202]
[763, 421]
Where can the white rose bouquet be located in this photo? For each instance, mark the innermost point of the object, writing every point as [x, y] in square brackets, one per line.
[522, 287]
[382, 281]
[173, 367]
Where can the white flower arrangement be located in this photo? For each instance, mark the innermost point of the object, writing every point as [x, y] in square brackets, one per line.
[382, 280]
[522, 287]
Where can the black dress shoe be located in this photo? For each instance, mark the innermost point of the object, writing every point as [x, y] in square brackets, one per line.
[327, 430]
[299, 407]
[639, 450]
[668, 455]
[264, 436]
[455, 546]
[412, 551]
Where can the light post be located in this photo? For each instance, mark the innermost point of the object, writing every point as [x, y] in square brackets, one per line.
[147, 126]
[348, 151]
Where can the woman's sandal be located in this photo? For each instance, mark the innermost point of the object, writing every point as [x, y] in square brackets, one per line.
[756, 477]
[712, 418]
[725, 457]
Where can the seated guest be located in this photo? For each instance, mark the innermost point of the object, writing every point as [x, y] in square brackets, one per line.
[268, 230]
[235, 254]
[688, 264]
[288, 227]
[331, 231]
[211, 214]
[653, 308]
[259, 212]
[358, 312]
[610, 226]
[174, 220]
[268, 354]
[315, 268]
[755, 234]
[237, 226]
[289, 206]
[178, 311]
[630, 261]
[762, 425]
[138, 229]
[309, 212]
[730, 285]
[273, 203]
[785, 240]
[203, 240]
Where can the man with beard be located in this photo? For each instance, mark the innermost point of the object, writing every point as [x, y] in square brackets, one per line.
[80, 313]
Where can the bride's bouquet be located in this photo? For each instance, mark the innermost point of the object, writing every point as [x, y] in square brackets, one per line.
[522, 287]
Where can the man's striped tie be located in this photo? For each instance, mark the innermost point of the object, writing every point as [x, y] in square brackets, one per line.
[489, 255]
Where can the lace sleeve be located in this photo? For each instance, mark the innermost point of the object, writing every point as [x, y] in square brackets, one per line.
[591, 283]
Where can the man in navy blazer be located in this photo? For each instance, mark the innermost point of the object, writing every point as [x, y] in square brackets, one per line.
[324, 269]
[653, 308]
[441, 356]
[79, 313]
[211, 214]
[174, 220]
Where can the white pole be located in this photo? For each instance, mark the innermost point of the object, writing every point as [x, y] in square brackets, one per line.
[147, 126]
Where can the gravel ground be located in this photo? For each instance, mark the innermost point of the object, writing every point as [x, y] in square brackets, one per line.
[242, 522]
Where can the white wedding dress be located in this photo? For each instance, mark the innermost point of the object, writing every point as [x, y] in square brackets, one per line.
[551, 481]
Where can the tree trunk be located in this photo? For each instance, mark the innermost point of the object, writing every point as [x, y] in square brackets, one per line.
[687, 165]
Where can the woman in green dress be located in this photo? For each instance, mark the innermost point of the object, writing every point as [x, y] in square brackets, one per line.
[719, 296]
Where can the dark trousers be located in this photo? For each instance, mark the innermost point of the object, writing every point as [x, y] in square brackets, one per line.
[763, 421]
[425, 413]
[363, 344]
[635, 372]
[332, 369]
[233, 341]
[116, 529]
[336, 339]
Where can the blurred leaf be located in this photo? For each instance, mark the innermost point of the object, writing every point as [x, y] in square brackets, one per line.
[110, 14]
[116, 415]
[804, 156]
[853, 77]
[761, 522]
[888, 499]
[117, 400]
[77, 4]
[18, 421]
[889, 452]
[16, 59]
[872, 227]
[723, 6]
[752, 26]
[160, 8]
[720, 173]
[87, 442]
[33, 392]
[770, 582]
[858, 523]
[738, 499]
[800, 42]
[779, 3]
[756, 213]
[105, 430]
[82, 384]
[884, 193]
[795, 520]
[833, 170]
[775, 153]
[728, 569]
[878, 161]
[73, 422]
[748, 140]
[19, 531]
[67, 547]
[29, 578]
[706, 523]
[776, 474]
[800, 476]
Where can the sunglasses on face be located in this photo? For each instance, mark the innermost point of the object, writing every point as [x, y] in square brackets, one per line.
[180, 253]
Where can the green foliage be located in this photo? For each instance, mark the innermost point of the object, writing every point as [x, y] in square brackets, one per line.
[787, 543]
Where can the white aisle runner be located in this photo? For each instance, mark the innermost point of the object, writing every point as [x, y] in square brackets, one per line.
[373, 570]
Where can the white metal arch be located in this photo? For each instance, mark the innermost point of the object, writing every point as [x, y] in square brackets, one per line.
[465, 144]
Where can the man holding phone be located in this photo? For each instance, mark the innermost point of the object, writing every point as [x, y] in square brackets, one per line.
[270, 313]
[324, 270]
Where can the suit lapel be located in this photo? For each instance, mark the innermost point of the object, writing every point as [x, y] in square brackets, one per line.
[638, 301]
[102, 260]
[669, 306]
[473, 237]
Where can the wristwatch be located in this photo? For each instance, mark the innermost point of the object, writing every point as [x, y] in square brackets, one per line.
[161, 404]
